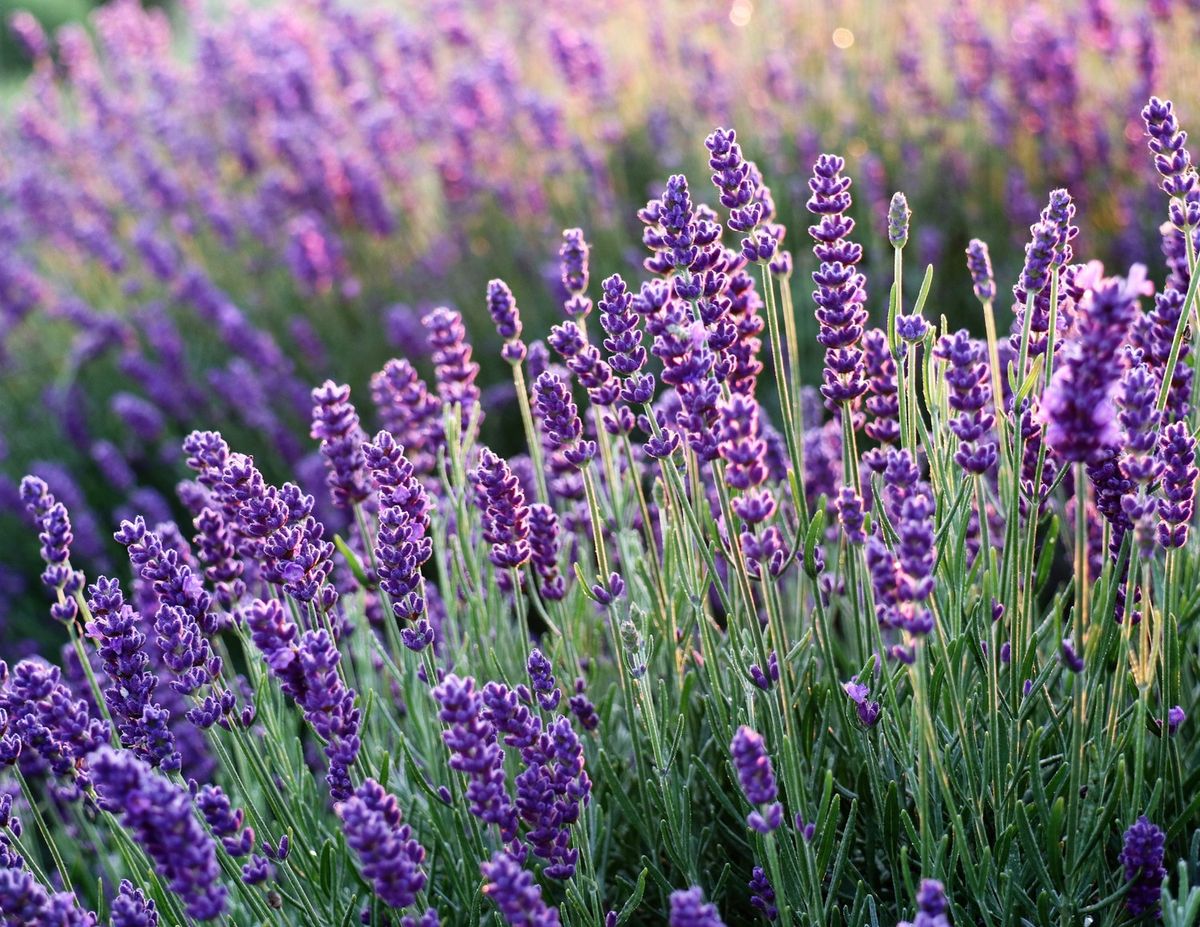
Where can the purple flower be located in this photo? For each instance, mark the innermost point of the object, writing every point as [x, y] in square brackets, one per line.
[744, 451]
[159, 817]
[971, 397]
[1175, 718]
[883, 400]
[688, 909]
[335, 425]
[1070, 658]
[1168, 143]
[560, 419]
[306, 667]
[544, 544]
[573, 258]
[840, 292]
[541, 674]
[505, 514]
[502, 307]
[762, 895]
[757, 779]
[408, 411]
[516, 895]
[25, 903]
[131, 908]
[141, 722]
[54, 534]
[475, 753]
[979, 264]
[903, 578]
[183, 617]
[1078, 403]
[931, 906]
[47, 726]
[388, 855]
[582, 708]
[1177, 450]
[851, 515]
[401, 546]
[1154, 333]
[868, 711]
[453, 369]
[224, 821]
[1142, 858]
[897, 220]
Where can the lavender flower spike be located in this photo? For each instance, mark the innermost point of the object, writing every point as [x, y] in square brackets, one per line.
[1080, 417]
[502, 307]
[335, 424]
[505, 514]
[757, 778]
[1142, 857]
[931, 906]
[160, 818]
[897, 220]
[389, 856]
[560, 418]
[688, 909]
[979, 264]
[1177, 449]
[515, 893]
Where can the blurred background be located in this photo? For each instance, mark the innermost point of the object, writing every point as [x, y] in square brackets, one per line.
[208, 208]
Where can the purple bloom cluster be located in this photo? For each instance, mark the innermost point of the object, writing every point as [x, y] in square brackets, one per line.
[931, 906]
[868, 711]
[757, 779]
[453, 369]
[505, 514]
[389, 856]
[627, 355]
[553, 785]
[306, 667]
[840, 292]
[1173, 162]
[142, 724]
[225, 823]
[1142, 858]
[883, 399]
[516, 895]
[897, 220]
[160, 818]
[1078, 404]
[688, 909]
[401, 547]
[25, 903]
[970, 396]
[979, 264]
[474, 752]
[1177, 449]
[54, 533]
[762, 894]
[408, 411]
[45, 726]
[335, 425]
[502, 307]
[184, 617]
[544, 543]
[573, 258]
[903, 578]
[560, 419]
[131, 908]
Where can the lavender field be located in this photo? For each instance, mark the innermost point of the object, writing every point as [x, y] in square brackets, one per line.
[498, 462]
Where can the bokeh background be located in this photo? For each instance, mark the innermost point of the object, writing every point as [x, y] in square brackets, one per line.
[207, 208]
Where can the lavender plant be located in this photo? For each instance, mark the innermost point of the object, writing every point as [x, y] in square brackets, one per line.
[918, 646]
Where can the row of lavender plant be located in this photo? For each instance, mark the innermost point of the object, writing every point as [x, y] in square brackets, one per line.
[195, 223]
[920, 642]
